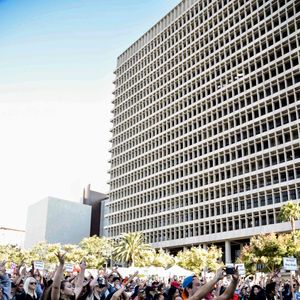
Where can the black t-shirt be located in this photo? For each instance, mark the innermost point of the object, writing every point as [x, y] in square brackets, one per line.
[24, 296]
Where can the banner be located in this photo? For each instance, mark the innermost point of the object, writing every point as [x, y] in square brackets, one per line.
[38, 265]
[69, 267]
[290, 264]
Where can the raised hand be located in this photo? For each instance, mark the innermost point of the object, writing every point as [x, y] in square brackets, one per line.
[235, 274]
[219, 274]
[61, 257]
[83, 264]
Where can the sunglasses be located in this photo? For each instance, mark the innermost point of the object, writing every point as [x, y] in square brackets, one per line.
[33, 283]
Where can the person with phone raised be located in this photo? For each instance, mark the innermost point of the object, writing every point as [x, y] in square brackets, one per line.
[194, 291]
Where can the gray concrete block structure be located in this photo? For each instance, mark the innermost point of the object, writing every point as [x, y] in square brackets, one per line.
[206, 121]
[57, 221]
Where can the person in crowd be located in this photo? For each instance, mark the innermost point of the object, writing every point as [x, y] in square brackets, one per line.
[64, 289]
[194, 291]
[149, 292]
[29, 290]
[257, 293]
[110, 283]
[39, 283]
[286, 291]
[18, 289]
[138, 293]
[174, 292]
[98, 288]
[244, 295]
[271, 291]
[5, 284]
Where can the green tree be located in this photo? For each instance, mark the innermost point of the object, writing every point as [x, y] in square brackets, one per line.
[13, 254]
[293, 244]
[197, 258]
[131, 247]
[145, 259]
[163, 259]
[290, 212]
[44, 252]
[269, 250]
[155, 258]
[74, 254]
[97, 250]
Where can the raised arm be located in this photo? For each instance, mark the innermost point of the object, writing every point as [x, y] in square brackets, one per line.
[55, 291]
[21, 273]
[207, 287]
[229, 292]
[80, 279]
[116, 270]
[118, 293]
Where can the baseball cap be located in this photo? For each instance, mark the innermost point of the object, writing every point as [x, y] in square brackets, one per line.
[175, 284]
[187, 281]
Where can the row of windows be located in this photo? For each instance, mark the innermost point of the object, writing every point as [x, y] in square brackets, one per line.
[179, 209]
[220, 20]
[145, 88]
[255, 172]
[207, 161]
[270, 70]
[220, 49]
[213, 12]
[197, 143]
[191, 162]
[214, 178]
[192, 122]
[205, 135]
[202, 9]
[287, 68]
[216, 225]
[225, 58]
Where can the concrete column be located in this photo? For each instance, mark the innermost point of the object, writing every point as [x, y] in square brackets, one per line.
[204, 246]
[227, 252]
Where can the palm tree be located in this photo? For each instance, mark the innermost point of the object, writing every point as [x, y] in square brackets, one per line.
[130, 247]
[290, 212]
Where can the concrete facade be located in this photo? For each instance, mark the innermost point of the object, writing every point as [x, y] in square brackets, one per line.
[57, 221]
[97, 202]
[205, 144]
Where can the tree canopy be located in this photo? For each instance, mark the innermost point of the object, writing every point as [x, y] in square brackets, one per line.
[197, 259]
[290, 212]
[268, 250]
[131, 248]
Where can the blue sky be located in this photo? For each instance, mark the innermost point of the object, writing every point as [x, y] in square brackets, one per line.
[56, 70]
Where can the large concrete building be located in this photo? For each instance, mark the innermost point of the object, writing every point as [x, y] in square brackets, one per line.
[205, 144]
[55, 220]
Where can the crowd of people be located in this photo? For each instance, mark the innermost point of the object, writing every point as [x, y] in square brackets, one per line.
[59, 285]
